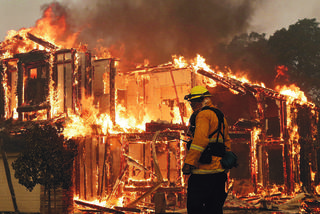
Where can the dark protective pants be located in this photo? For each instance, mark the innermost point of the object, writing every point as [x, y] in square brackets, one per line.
[206, 193]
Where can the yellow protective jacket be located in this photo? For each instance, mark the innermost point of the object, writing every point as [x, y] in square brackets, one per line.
[206, 123]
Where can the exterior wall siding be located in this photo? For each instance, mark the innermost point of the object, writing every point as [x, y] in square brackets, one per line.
[28, 202]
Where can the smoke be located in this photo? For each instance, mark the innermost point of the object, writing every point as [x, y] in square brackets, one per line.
[134, 30]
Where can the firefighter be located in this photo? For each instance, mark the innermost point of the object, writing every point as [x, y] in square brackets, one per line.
[206, 184]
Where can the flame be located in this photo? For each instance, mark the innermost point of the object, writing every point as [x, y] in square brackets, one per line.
[40, 115]
[276, 189]
[199, 63]
[51, 28]
[293, 92]
[128, 122]
[16, 42]
[53, 92]
[297, 187]
[211, 83]
[254, 142]
[103, 52]
[91, 121]
[313, 175]
[176, 115]
[282, 72]
[6, 89]
[122, 118]
[85, 124]
[318, 189]
[179, 62]
[111, 203]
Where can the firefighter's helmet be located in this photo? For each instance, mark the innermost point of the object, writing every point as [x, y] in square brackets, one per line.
[197, 92]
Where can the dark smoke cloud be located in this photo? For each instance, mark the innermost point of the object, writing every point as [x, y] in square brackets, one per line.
[135, 30]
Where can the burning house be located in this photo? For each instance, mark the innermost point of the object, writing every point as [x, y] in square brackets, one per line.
[130, 126]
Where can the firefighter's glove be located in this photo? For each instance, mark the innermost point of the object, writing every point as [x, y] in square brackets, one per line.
[187, 168]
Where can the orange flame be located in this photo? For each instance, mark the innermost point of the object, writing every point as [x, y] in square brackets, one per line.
[92, 122]
[293, 92]
[179, 62]
[52, 27]
[254, 142]
[198, 63]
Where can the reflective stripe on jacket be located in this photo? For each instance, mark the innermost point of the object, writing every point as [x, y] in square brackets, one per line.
[206, 123]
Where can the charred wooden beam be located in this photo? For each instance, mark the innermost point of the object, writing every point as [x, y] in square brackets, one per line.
[155, 69]
[148, 193]
[128, 209]
[31, 108]
[134, 162]
[41, 42]
[160, 189]
[34, 57]
[276, 95]
[154, 126]
[177, 97]
[117, 183]
[270, 93]
[112, 77]
[147, 136]
[224, 81]
[98, 207]
[20, 86]
[244, 88]
[88, 74]
[311, 206]
[2, 91]
[155, 158]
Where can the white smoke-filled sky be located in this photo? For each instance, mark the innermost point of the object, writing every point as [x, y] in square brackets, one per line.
[272, 15]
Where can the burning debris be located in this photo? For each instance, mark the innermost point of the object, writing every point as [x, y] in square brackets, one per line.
[130, 127]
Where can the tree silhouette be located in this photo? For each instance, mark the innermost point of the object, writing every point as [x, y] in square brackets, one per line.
[289, 56]
[298, 48]
[249, 54]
